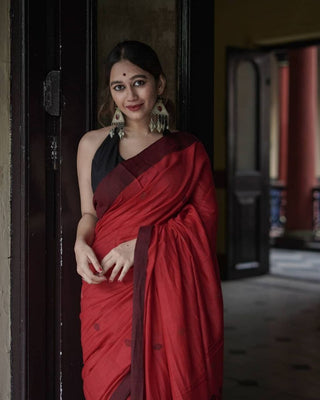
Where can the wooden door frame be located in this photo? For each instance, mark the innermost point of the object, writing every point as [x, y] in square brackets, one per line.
[195, 66]
[192, 52]
[28, 348]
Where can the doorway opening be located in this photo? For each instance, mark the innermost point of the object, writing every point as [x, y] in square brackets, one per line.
[270, 320]
[295, 162]
[273, 159]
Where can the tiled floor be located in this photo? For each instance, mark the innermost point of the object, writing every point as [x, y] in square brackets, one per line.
[272, 337]
[295, 263]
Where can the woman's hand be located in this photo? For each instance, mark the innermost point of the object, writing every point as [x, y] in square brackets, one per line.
[121, 257]
[84, 256]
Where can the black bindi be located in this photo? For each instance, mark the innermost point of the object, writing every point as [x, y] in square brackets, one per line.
[124, 74]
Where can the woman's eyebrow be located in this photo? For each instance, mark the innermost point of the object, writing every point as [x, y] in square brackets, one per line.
[138, 76]
[115, 82]
[132, 78]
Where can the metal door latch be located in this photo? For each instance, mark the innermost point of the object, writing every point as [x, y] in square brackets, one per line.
[52, 93]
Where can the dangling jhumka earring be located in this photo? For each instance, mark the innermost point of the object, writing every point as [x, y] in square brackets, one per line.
[117, 124]
[159, 117]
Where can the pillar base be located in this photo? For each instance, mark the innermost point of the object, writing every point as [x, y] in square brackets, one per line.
[296, 239]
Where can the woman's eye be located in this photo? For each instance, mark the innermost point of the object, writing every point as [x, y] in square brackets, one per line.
[118, 87]
[139, 83]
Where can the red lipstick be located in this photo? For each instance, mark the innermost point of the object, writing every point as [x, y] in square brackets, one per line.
[135, 107]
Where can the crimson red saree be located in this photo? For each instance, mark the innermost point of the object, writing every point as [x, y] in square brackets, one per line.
[158, 335]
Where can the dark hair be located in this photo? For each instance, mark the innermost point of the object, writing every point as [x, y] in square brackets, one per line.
[139, 54]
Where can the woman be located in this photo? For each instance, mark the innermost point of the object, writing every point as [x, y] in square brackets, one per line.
[151, 304]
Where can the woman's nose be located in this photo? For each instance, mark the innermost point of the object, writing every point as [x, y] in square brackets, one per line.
[132, 95]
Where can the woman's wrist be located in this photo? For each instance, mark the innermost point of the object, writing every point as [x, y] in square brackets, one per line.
[80, 242]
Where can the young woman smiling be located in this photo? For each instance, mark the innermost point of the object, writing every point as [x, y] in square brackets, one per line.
[151, 303]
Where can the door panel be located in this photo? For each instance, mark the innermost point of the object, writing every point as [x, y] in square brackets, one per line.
[76, 66]
[38, 266]
[246, 247]
[248, 163]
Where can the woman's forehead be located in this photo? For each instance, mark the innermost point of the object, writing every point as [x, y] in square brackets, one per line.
[125, 68]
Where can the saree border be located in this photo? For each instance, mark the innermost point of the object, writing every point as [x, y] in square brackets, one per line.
[123, 390]
[133, 382]
[139, 284]
[130, 169]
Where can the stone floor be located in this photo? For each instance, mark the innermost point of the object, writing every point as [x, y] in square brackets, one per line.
[272, 332]
[301, 264]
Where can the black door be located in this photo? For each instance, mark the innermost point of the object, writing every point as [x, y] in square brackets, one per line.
[248, 163]
[77, 116]
[51, 74]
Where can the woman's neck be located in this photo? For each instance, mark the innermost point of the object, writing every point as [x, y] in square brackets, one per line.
[137, 128]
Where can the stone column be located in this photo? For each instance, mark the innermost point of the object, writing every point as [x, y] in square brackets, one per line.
[302, 138]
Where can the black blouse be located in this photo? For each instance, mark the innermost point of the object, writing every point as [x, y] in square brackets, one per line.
[105, 159]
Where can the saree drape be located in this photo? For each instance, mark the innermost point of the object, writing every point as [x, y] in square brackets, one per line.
[158, 335]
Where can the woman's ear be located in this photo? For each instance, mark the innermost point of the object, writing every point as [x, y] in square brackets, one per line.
[161, 84]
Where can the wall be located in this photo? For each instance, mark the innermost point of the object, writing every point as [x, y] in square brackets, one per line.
[274, 118]
[4, 201]
[318, 127]
[249, 24]
[151, 22]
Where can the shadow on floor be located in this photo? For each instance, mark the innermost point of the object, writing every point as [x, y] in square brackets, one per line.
[272, 339]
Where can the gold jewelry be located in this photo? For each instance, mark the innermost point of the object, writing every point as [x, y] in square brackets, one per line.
[117, 124]
[159, 117]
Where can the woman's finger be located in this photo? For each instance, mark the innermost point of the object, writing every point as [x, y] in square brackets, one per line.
[94, 261]
[108, 256]
[85, 272]
[124, 271]
[115, 271]
[108, 264]
[91, 278]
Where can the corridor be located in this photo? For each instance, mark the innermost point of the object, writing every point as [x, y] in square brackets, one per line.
[272, 332]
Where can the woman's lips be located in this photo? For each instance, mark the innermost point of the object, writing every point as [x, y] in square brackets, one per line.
[134, 108]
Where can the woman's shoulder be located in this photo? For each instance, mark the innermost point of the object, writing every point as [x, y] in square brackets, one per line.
[91, 140]
[95, 135]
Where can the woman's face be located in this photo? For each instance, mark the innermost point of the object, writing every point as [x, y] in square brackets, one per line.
[134, 90]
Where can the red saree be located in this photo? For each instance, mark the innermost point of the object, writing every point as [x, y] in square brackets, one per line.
[158, 335]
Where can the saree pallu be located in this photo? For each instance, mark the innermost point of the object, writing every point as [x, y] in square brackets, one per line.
[158, 335]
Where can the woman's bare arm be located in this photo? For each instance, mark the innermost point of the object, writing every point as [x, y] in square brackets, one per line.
[85, 231]
[120, 259]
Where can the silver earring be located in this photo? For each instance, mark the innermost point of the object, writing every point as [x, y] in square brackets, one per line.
[159, 117]
[117, 124]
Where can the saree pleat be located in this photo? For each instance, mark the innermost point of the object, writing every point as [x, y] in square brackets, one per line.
[159, 333]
